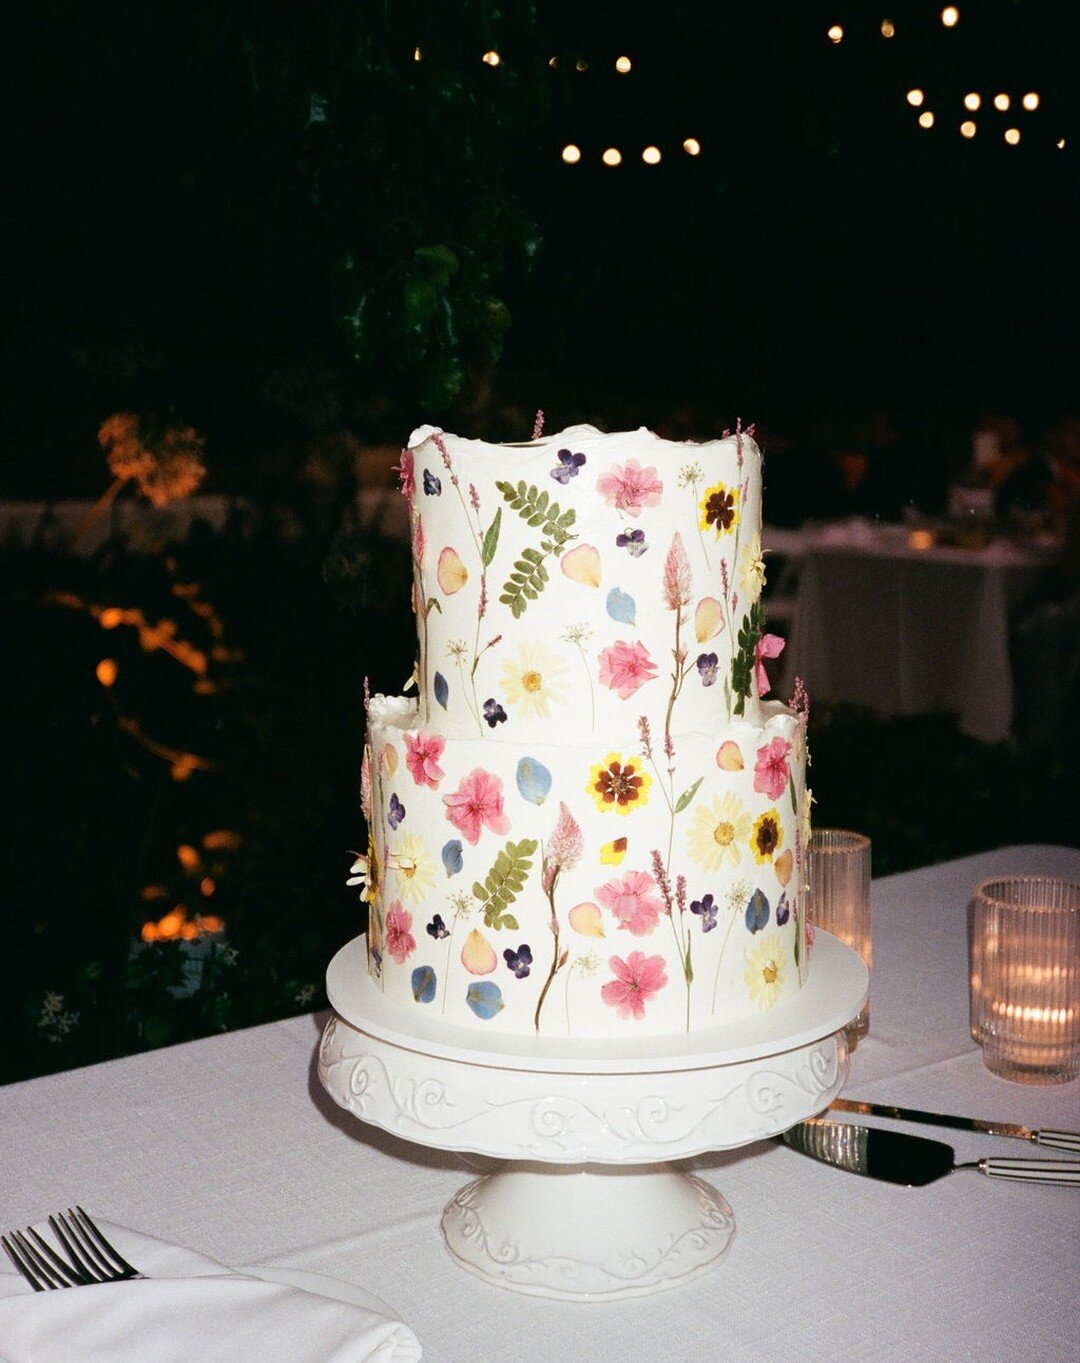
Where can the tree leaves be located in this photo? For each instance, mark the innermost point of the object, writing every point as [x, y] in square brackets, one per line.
[504, 882]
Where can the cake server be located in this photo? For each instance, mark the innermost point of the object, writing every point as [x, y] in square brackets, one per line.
[911, 1160]
[1060, 1140]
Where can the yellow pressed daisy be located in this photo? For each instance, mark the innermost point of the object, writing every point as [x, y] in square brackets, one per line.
[414, 867]
[534, 681]
[764, 974]
[719, 829]
[767, 837]
[719, 509]
[619, 783]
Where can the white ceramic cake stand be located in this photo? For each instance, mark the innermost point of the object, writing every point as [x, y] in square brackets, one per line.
[588, 1207]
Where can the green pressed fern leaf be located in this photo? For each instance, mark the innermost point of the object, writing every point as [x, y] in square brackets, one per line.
[504, 882]
[529, 575]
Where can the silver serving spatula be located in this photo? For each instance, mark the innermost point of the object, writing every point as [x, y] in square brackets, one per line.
[911, 1160]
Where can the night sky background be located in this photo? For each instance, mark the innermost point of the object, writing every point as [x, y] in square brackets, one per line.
[190, 180]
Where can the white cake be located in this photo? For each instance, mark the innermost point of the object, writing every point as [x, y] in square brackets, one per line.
[586, 822]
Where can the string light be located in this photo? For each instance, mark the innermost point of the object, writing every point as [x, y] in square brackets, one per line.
[612, 157]
[888, 28]
[622, 65]
[836, 34]
[1012, 136]
[571, 154]
[651, 156]
[692, 146]
[1030, 101]
[417, 55]
[1001, 103]
[967, 128]
[581, 64]
[1060, 144]
[491, 58]
[915, 98]
[926, 120]
[950, 16]
[106, 671]
[972, 101]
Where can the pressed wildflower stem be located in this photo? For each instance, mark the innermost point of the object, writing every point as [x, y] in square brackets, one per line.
[556, 965]
[720, 957]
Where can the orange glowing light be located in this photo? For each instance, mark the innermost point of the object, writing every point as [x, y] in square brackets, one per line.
[207, 886]
[210, 922]
[110, 617]
[222, 839]
[169, 926]
[106, 671]
[149, 932]
[187, 856]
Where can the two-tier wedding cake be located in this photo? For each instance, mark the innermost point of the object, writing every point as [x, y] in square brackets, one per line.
[586, 822]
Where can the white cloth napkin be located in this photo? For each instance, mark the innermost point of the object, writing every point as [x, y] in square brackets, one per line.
[191, 1307]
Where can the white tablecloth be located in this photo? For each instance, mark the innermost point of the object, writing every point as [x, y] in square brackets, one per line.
[231, 1146]
[907, 631]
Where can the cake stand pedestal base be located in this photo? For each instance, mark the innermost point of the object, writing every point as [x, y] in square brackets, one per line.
[588, 1207]
[588, 1232]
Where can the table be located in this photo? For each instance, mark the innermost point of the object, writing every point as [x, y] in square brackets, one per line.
[231, 1146]
[908, 631]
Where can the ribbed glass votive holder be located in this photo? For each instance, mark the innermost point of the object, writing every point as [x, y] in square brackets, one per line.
[1024, 952]
[839, 866]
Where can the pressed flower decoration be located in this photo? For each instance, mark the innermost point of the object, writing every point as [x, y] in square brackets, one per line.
[637, 979]
[422, 753]
[400, 942]
[629, 487]
[625, 668]
[569, 466]
[719, 509]
[477, 804]
[534, 681]
[633, 541]
[632, 902]
[619, 784]
[767, 836]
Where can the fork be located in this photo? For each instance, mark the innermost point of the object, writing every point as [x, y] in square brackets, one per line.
[90, 1258]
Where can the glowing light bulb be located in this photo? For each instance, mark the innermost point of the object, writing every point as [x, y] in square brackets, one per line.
[1012, 136]
[836, 34]
[571, 154]
[972, 101]
[926, 119]
[417, 55]
[915, 97]
[106, 671]
[1060, 144]
[581, 64]
[622, 65]
[651, 156]
[612, 157]
[692, 146]
[1001, 102]
[950, 16]
[967, 128]
[1030, 101]
[491, 58]
[888, 28]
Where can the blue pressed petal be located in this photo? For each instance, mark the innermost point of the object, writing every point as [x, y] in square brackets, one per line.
[451, 857]
[424, 984]
[533, 780]
[485, 999]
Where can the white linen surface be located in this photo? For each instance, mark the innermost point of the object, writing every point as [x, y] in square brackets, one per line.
[188, 1306]
[231, 1144]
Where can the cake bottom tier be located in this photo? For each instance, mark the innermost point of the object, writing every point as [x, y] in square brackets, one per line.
[584, 891]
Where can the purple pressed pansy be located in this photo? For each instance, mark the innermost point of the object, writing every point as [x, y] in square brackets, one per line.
[432, 485]
[437, 928]
[519, 961]
[633, 541]
[568, 466]
[783, 911]
[376, 960]
[706, 910]
[707, 665]
[494, 713]
[395, 813]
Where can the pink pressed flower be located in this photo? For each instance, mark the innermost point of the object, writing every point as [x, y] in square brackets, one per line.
[476, 802]
[564, 847]
[625, 667]
[678, 582]
[422, 753]
[637, 979]
[771, 768]
[768, 646]
[365, 784]
[406, 475]
[400, 942]
[630, 901]
[629, 487]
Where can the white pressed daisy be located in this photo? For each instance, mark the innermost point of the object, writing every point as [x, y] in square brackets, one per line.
[752, 569]
[414, 867]
[720, 828]
[765, 970]
[534, 681]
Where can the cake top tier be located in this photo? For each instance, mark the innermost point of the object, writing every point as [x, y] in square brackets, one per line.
[570, 585]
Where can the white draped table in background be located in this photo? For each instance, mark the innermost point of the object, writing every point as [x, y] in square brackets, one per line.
[230, 1146]
[910, 631]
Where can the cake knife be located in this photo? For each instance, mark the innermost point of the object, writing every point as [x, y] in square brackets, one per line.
[1060, 1140]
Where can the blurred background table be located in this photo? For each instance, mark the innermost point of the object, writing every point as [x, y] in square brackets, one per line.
[231, 1146]
[890, 619]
